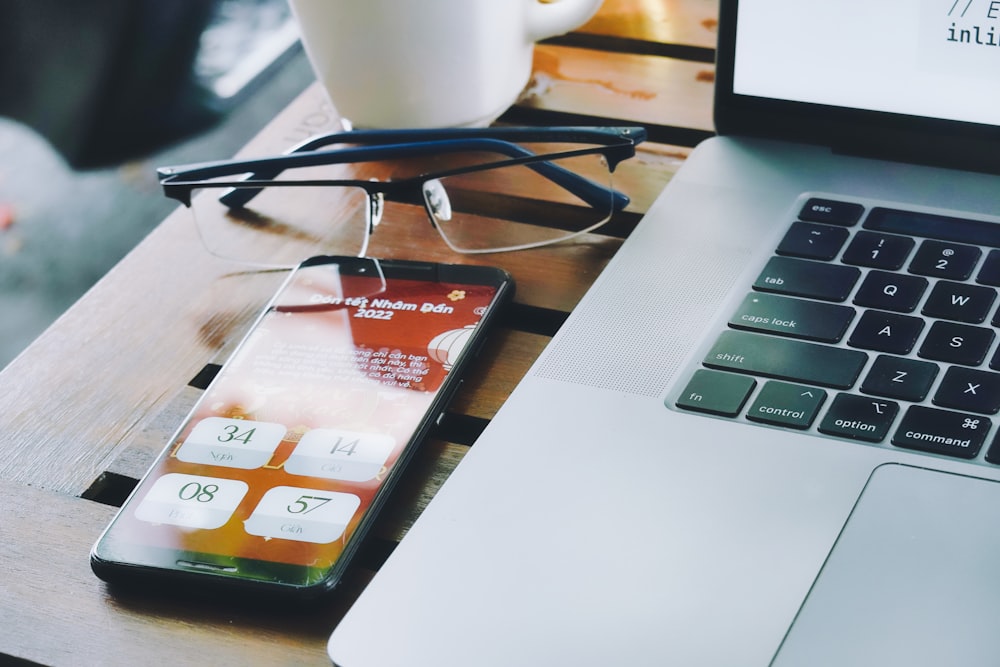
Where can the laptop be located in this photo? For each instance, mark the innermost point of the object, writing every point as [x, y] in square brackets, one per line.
[769, 433]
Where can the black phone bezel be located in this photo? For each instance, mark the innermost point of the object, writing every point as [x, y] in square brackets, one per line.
[138, 564]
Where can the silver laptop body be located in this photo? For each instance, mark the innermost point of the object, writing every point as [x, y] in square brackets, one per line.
[596, 522]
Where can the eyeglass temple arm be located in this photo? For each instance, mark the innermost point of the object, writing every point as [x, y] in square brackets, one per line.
[572, 134]
[589, 191]
[438, 141]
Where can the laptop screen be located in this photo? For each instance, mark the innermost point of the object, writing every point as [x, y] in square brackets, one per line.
[930, 58]
[913, 80]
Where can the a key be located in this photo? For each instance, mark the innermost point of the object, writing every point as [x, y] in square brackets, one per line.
[960, 302]
[716, 393]
[786, 359]
[942, 432]
[859, 418]
[797, 318]
[969, 389]
[801, 277]
[879, 251]
[990, 273]
[931, 226]
[993, 453]
[956, 343]
[832, 212]
[811, 241]
[886, 332]
[890, 291]
[941, 259]
[785, 404]
[897, 377]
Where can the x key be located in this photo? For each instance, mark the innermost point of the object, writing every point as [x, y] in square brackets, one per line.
[969, 389]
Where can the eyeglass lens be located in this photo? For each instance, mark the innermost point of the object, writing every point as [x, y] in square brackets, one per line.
[521, 206]
[505, 207]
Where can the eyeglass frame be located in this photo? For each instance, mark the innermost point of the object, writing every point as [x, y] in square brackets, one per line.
[615, 144]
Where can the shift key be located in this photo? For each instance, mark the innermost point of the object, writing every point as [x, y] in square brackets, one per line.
[786, 359]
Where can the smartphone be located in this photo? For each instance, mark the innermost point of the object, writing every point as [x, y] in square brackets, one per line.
[274, 477]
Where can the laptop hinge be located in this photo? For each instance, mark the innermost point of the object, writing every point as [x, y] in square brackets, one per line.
[928, 150]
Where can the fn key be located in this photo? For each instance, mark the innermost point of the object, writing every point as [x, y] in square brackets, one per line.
[716, 393]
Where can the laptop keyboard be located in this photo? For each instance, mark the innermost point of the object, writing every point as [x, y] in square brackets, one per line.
[868, 324]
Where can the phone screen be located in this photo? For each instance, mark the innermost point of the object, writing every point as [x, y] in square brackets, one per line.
[280, 462]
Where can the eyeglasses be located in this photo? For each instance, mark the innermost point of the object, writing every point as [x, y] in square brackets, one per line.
[482, 189]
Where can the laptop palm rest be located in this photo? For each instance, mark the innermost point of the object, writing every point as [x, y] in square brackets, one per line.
[912, 580]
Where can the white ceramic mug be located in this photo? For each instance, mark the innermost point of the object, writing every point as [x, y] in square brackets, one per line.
[428, 63]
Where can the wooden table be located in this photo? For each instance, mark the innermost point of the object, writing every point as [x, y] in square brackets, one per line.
[87, 407]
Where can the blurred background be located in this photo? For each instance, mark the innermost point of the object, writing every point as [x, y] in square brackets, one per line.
[93, 97]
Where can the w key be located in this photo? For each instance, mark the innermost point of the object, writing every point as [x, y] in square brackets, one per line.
[959, 302]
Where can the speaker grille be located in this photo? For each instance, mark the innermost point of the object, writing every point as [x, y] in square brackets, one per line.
[640, 322]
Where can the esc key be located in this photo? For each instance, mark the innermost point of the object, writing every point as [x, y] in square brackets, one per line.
[831, 212]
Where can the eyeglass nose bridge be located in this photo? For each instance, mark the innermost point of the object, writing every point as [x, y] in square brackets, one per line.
[376, 207]
[436, 200]
[374, 210]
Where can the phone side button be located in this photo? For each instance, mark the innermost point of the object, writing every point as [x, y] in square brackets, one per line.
[447, 402]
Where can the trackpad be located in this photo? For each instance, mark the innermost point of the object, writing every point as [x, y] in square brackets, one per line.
[914, 578]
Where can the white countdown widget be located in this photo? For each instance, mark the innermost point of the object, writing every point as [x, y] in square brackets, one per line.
[191, 501]
[233, 443]
[303, 515]
[338, 454]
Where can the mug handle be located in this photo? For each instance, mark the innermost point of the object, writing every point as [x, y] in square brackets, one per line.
[548, 18]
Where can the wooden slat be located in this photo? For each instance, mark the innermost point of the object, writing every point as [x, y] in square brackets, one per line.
[504, 360]
[54, 611]
[644, 176]
[116, 358]
[685, 22]
[642, 89]
[425, 475]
